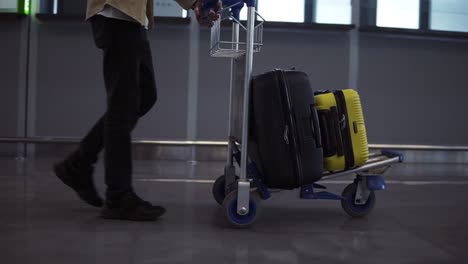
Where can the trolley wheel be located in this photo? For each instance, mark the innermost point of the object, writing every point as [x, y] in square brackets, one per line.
[242, 221]
[219, 189]
[353, 209]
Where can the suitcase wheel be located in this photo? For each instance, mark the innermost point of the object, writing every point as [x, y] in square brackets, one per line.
[242, 221]
[219, 189]
[353, 209]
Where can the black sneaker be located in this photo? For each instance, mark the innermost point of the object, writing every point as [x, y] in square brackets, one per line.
[79, 177]
[131, 207]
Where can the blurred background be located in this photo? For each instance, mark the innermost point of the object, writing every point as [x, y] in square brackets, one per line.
[407, 59]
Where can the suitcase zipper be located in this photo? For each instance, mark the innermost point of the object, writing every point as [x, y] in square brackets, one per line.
[293, 129]
[286, 135]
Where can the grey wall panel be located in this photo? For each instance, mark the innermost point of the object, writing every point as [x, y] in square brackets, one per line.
[11, 78]
[414, 90]
[70, 89]
[213, 93]
[324, 56]
[168, 119]
[9, 75]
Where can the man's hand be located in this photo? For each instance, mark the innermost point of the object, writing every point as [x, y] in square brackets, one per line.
[206, 17]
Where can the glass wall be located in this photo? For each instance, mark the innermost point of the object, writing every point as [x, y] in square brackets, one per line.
[398, 13]
[282, 11]
[168, 8]
[8, 5]
[450, 15]
[333, 11]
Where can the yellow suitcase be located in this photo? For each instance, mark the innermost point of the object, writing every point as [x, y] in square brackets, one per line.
[342, 128]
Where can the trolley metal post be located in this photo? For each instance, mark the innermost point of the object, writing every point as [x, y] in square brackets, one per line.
[241, 54]
[244, 183]
[229, 170]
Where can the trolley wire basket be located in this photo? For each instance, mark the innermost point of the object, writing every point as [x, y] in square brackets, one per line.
[234, 48]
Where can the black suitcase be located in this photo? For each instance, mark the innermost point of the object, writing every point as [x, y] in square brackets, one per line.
[285, 130]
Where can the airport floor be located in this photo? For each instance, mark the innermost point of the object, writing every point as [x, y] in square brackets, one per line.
[420, 218]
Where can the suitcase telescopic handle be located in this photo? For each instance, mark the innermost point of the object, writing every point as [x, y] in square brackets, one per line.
[337, 125]
[315, 125]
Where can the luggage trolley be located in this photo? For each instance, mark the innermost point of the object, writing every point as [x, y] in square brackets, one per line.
[241, 195]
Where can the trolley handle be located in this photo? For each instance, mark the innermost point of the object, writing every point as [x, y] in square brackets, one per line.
[234, 5]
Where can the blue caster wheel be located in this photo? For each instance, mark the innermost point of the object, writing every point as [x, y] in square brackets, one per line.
[353, 209]
[242, 221]
[219, 189]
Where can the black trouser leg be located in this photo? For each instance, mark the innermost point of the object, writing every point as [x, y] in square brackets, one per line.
[131, 92]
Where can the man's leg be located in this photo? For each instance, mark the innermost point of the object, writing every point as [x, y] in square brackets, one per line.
[93, 142]
[121, 56]
[122, 74]
[77, 169]
[122, 101]
[149, 94]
